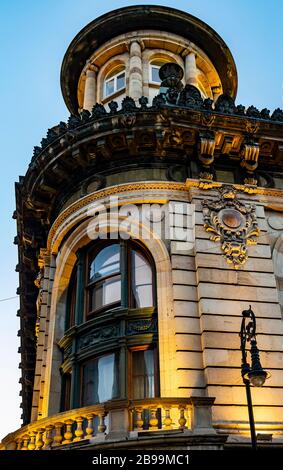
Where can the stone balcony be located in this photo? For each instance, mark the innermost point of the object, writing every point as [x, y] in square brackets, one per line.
[169, 421]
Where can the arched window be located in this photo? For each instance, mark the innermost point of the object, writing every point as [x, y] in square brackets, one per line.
[153, 76]
[112, 351]
[104, 279]
[114, 81]
[108, 287]
[154, 67]
[72, 300]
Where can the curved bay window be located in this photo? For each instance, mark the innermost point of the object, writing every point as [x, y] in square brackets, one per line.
[110, 346]
[119, 274]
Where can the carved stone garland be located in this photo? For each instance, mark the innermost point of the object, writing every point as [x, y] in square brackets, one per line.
[232, 223]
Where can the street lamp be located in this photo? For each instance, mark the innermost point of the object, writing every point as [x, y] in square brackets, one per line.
[253, 374]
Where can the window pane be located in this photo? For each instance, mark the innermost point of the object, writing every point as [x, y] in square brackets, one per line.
[67, 392]
[105, 292]
[73, 300]
[105, 263]
[143, 374]
[109, 87]
[141, 281]
[100, 380]
[155, 74]
[121, 81]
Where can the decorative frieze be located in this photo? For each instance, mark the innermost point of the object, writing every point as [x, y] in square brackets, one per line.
[98, 335]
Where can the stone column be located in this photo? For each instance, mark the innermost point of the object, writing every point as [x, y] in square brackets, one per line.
[90, 88]
[135, 73]
[190, 69]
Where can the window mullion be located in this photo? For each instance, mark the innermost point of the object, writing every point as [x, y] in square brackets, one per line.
[124, 274]
[79, 312]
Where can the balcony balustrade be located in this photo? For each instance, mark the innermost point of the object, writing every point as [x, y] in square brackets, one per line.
[94, 424]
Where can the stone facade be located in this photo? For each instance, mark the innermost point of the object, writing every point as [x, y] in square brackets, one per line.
[213, 171]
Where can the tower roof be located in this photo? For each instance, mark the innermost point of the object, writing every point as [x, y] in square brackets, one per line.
[139, 17]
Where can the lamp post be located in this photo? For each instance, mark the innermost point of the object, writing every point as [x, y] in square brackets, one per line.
[253, 374]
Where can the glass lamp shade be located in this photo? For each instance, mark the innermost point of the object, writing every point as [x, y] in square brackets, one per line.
[257, 377]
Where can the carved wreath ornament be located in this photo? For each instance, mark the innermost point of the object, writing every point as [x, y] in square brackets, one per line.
[232, 223]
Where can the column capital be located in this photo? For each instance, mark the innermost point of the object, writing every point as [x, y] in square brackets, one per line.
[137, 41]
[91, 67]
[188, 51]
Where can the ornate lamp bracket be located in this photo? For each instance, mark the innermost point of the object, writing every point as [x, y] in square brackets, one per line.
[231, 223]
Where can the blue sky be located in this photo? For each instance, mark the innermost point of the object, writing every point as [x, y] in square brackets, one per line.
[34, 36]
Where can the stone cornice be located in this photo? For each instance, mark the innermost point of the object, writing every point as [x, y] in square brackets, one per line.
[160, 131]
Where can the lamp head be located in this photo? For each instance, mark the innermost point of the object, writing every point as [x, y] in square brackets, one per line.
[257, 377]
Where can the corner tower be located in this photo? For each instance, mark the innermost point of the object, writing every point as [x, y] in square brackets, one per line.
[146, 224]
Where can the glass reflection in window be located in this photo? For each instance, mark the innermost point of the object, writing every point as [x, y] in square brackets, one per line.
[105, 292]
[143, 383]
[106, 262]
[155, 74]
[141, 275]
[104, 284]
[100, 380]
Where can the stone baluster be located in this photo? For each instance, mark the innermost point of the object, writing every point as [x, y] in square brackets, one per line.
[79, 429]
[153, 420]
[182, 420]
[101, 425]
[90, 88]
[32, 445]
[58, 438]
[39, 440]
[48, 437]
[167, 420]
[25, 442]
[89, 430]
[19, 444]
[139, 419]
[68, 435]
[135, 71]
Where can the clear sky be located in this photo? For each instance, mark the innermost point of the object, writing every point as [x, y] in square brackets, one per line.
[34, 35]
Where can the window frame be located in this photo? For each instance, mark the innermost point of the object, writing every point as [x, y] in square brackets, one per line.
[71, 303]
[150, 261]
[127, 300]
[91, 255]
[143, 347]
[115, 78]
[152, 64]
[95, 357]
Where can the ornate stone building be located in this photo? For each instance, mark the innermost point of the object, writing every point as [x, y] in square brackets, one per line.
[133, 336]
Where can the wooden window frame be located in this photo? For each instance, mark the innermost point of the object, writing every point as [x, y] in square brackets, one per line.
[144, 347]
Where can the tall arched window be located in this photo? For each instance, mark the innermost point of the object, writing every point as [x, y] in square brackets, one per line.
[110, 346]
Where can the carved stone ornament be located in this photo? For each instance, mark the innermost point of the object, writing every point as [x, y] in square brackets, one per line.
[148, 325]
[232, 223]
[98, 335]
